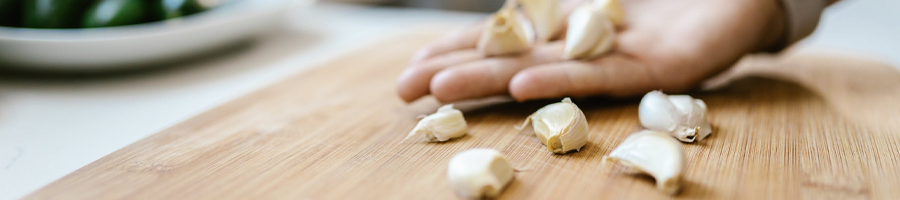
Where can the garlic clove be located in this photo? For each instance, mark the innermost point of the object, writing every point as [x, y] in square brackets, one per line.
[683, 103]
[612, 9]
[589, 34]
[657, 113]
[545, 16]
[582, 33]
[445, 124]
[561, 126]
[705, 128]
[606, 44]
[694, 112]
[479, 173]
[682, 116]
[505, 33]
[701, 104]
[655, 153]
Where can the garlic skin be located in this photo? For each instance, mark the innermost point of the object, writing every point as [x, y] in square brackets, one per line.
[445, 124]
[654, 153]
[612, 9]
[505, 33]
[590, 34]
[561, 126]
[545, 16]
[479, 173]
[681, 116]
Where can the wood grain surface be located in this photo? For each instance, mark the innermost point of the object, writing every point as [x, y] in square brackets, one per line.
[808, 125]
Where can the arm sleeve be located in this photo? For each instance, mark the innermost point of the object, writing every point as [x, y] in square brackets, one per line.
[802, 17]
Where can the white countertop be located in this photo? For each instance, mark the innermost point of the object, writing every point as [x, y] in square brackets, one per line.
[51, 127]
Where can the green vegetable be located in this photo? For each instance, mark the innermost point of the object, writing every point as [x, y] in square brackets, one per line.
[168, 9]
[107, 13]
[53, 13]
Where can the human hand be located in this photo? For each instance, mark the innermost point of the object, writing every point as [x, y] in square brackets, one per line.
[665, 45]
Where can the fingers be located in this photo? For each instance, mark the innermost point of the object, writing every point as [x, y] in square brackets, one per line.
[489, 77]
[614, 75]
[475, 79]
[415, 79]
[465, 38]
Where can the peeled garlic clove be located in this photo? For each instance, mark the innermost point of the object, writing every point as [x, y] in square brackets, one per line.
[589, 34]
[479, 173]
[612, 10]
[545, 16]
[655, 153]
[561, 126]
[445, 124]
[505, 34]
[679, 115]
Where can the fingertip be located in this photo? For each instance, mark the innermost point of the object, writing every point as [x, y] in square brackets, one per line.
[445, 87]
[415, 81]
[409, 87]
[406, 97]
[528, 85]
[517, 87]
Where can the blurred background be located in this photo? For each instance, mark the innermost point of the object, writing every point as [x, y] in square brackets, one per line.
[83, 78]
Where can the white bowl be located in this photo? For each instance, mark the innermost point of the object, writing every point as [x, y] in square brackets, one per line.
[141, 44]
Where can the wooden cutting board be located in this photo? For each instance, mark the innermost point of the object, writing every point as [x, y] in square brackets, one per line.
[810, 125]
